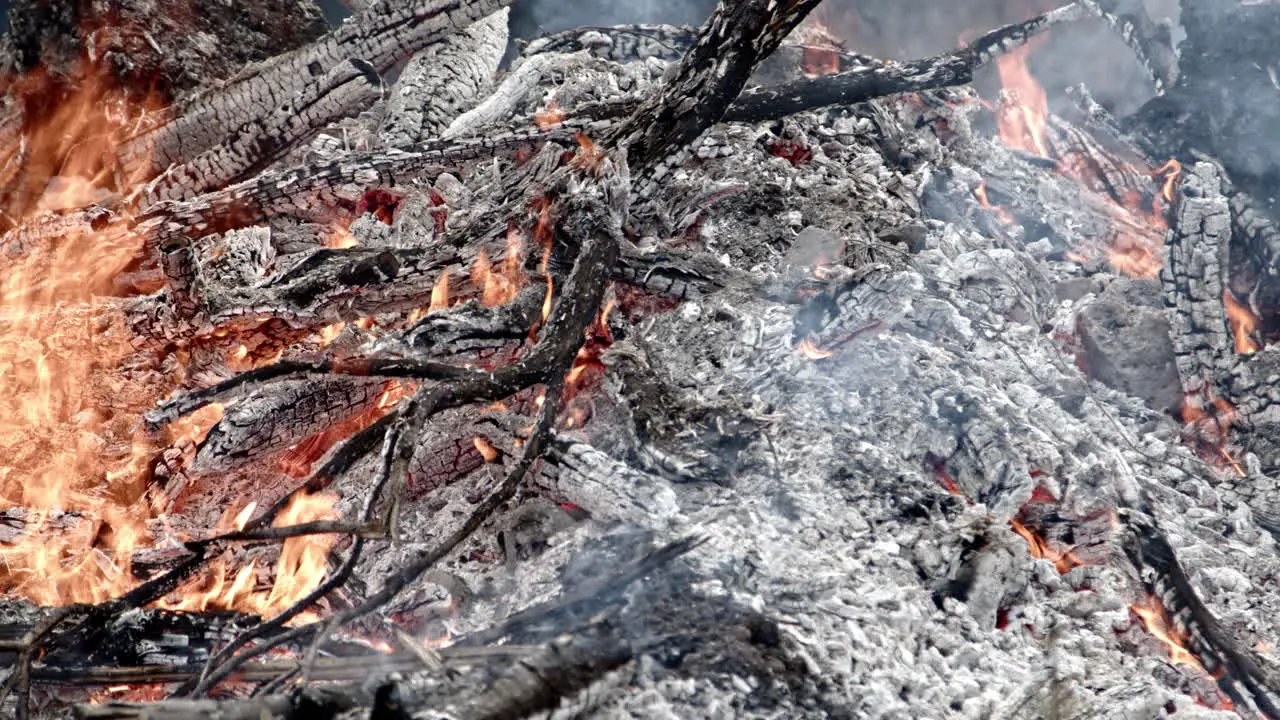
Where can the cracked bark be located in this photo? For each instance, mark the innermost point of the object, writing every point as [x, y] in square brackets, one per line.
[443, 81]
[378, 35]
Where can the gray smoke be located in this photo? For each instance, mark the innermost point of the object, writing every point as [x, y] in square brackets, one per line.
[533, 17]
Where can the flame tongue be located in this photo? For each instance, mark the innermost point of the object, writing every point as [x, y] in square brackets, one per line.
[72, 389]
[1024, 107]
[1157, 622]
[65, 408]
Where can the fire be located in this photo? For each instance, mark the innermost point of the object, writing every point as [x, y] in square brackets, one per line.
[1063, 561]
[820, 47]
[499, 284]
[1136, 244]
[1209, 425]
[550, 118]
[1244, 324]
[300, 568]
[485, 448]
[440, 294]
[302, 563]
[1170, 171]
[1024, 107]
[1156, 621]
[72, 388]
[1002, 213]
[341, 238]
[810, 350]
[296, 462]
[66, 413]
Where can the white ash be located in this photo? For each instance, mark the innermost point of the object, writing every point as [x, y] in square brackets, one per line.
[833, 521]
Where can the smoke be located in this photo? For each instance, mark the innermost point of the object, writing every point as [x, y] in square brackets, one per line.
[530, 18]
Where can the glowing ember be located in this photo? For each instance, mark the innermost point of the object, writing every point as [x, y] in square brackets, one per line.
[1063, 561]
[329, 333]
[1244, 324]
[1156, 621]
[486, 449]
[810, 350]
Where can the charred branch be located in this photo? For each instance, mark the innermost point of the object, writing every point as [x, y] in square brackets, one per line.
[1241, 674]
[861, 84]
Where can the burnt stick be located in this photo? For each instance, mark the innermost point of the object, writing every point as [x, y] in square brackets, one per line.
[861, 84]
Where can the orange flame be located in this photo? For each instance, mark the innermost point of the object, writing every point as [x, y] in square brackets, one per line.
[66, 412]
[1210, 426]
[1170, 171]
[1063, 561]
[340, 238]
[72, 391]
[1243, 324]
[1156, 621]
[810, 350]
[300, 568]
[440, 294]
[500, 285]
[1024, 109]
[1002, 213]
[550, 118]
[485, 448]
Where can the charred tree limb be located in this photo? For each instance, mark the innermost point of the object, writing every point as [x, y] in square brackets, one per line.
[618, 43]
[253, 146]
[341, 668]
[733, 42]
[225, 660]
[730, 46]
[279, 416]
[861, 84]
[534, 684]
[1151, 42]
[588, 222]
[297, 706]
[1193, 279]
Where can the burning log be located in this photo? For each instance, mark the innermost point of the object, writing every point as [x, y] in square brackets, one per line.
[1240, 673]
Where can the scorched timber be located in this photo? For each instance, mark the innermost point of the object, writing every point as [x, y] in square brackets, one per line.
[378, 35]
[443, 81]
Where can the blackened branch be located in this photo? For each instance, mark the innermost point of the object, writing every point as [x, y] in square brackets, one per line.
[739, 35]
[861, 84]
